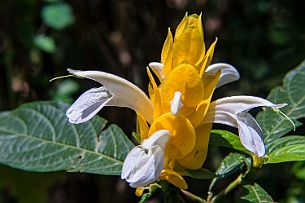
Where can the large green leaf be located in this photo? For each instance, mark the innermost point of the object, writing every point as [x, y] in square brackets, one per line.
[292, 92]
[290, 148]
[227, 139]
[256, 194]
[230, 164]
[38, 137]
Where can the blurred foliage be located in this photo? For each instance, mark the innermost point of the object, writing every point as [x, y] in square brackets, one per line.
[26, 187]
[40, 39]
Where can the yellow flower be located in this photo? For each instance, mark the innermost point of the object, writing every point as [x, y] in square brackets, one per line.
[176, 120]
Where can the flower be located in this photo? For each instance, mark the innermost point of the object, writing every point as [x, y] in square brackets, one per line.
[176, 120]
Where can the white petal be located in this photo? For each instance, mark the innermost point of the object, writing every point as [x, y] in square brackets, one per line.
[228, 73]
[238, 104]
[159, 138]
[88, 104]
[232, 111]
[125, 94]
[249, 131]
[250, 134]
[221, 117]
[176, 103]
[143, 166]
[157, 69]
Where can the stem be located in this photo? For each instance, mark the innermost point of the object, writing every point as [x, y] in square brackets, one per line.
[210, 193]
[193, 197]
[230, 187]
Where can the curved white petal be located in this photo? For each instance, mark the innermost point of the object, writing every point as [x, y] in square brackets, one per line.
[157, 69]
[249, 131]
[143, 166]
[88, 104]
[250, 134]
[125, 94]
[238, 104]
[228, 73]
[221, 117]
[159, 138]
[233, 111]
[144, 163]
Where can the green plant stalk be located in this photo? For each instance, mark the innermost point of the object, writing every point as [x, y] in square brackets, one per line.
[193, 197]
[230, 187]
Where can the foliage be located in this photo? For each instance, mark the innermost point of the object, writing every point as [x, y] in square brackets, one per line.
[256, 194]
[263, 39]
[275, 125]
[38, 137]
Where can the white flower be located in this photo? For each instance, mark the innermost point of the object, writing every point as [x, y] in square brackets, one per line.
[233, 111]
[115, 91]
[144, 163]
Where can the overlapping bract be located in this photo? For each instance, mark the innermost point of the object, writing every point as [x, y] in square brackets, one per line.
[177, 117]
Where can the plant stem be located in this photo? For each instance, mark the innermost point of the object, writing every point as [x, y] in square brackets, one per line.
[230, 187]
[193, 197]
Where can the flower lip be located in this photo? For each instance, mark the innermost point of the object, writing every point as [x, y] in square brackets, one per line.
[233, 111]
[88, 104]
[125, 94]
[144, 163]
[158, 70]
[228, 73]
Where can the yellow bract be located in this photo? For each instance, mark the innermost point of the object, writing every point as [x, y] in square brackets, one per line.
[197, 156]
[174, 178]
[189, 46]
[182, 134]
[185, 79]
[184, 60]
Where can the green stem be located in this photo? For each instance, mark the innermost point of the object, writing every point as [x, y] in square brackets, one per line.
[193, 197]
[230, 187]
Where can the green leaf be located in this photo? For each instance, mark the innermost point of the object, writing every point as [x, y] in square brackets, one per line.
[227, 139]
[45, 43]
[151, 190]
[230, 164]
[256, 194]
[38, 137]
[57, 15]
[292, 92]
[290, 148]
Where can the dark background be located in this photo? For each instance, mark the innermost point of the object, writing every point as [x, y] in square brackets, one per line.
[262, 39]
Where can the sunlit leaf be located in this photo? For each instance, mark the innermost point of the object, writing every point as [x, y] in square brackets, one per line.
[256, 194]
[292, 92]
[290, 148]
[57, 15]
[230, 164]
[226, 139]
[38, 137]
[45, 43]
